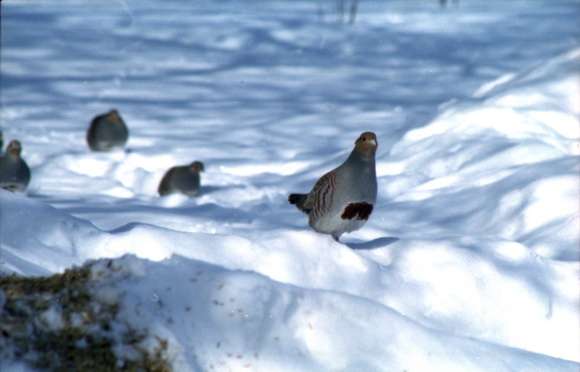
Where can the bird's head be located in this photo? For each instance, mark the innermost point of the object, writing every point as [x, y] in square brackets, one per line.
[14, 148]
[366, 144]
[114, 117]
[197, 166]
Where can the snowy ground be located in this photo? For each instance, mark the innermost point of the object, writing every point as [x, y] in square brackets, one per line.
[470, 261]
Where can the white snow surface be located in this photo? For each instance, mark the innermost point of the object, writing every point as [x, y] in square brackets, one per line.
[470, 261]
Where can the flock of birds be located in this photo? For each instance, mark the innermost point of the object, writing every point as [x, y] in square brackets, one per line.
[341, 201]
[107, 132]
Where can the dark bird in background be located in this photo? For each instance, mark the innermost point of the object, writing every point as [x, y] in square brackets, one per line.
[107, 132]
[182, 179]
[14, 172]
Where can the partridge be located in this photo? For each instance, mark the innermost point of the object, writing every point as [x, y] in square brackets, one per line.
[14, 172]
[183, 179]
[107, 132]
[342, 200]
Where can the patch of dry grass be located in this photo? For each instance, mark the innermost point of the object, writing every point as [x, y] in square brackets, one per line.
[55, 323]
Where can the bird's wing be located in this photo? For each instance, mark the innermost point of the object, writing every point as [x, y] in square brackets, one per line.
[320, 198]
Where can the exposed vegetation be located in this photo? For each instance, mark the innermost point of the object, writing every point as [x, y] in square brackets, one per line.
[56, 323]
[345, 11]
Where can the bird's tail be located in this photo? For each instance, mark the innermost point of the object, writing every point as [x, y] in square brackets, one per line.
[298, 200]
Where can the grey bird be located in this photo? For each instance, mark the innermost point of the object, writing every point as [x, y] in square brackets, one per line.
[107, 132]
[182, 179]
[342, 200]
[14, 172]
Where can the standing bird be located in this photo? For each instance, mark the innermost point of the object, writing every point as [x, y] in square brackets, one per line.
[107, 132]
[183, 179]
[342, 200]
[14, 172]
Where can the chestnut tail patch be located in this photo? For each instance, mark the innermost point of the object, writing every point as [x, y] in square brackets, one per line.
[360, 211]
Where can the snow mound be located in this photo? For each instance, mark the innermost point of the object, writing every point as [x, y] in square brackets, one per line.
[217, 319]
[507, 164]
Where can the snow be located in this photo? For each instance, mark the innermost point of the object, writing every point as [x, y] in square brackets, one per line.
[227, 319]
[470, 260]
